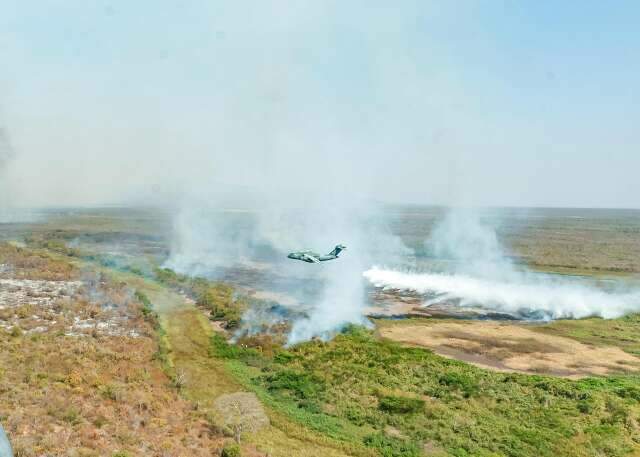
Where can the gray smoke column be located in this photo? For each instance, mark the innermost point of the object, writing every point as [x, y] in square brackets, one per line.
[482, 276]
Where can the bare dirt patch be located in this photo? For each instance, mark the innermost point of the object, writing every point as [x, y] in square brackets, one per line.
[508, 347]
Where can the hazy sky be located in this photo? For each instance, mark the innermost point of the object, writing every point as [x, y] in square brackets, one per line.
[475, 102]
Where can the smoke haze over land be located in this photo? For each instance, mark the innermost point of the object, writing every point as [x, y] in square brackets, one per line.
[310, 114]
[209, 241]
[481, 275]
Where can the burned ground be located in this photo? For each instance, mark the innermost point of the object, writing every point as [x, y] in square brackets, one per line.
[79, 374]
[90, 379]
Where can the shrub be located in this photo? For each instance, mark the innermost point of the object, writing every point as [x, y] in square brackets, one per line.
[231, 450]
[121, 454]
[239, 413]
[303, 386]
[632, 392]
[265, 344]
[561, 388]
[142, 298]
[169, 277]
[356, 415]
[219, 299]
[71, 416]
[147, 308]
[618, 412]
[463, 382]
[220, 348]
[136, 271]
[392, 447]
[284, 357]
[400, 405]
[585, 407]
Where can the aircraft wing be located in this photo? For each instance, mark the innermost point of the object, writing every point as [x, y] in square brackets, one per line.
[310, 258]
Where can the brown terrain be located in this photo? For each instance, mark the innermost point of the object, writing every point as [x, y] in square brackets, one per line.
[509, 347]
[78, 372]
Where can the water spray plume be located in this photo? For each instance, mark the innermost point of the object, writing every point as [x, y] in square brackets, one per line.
[483, 277]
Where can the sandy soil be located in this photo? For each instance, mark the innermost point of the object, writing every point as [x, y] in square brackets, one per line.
[508, 347]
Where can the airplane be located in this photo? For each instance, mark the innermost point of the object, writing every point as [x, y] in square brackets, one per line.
[313, 257]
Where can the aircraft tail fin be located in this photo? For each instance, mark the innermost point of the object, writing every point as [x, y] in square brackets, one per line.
[336, 251]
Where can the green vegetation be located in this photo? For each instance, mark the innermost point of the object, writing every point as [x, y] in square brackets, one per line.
[219, 298]
[189, 346]
[147, 309]
[355, 395]
[401, 405]
[391, 447]
[231, 450]
[623, 332]
[378, 395]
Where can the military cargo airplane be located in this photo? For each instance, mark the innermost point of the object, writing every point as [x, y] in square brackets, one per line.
[313, 257]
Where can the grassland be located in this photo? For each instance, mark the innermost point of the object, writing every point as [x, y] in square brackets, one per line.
[188, 332]
[356, 395]
[508, 346]
[110, 395]
[399, 401]
[570, 241]
[88, 390]
[623, 333]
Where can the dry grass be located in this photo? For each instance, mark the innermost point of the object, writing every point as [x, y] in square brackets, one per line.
[583, 241]
[80, 378]
[20, 263]
[74, 396]
[510, 347]
[240, 413]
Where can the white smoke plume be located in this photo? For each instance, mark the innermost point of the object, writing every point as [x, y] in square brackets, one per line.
[463, 238]
[525, 296]
[483, 277]
[212, 242]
